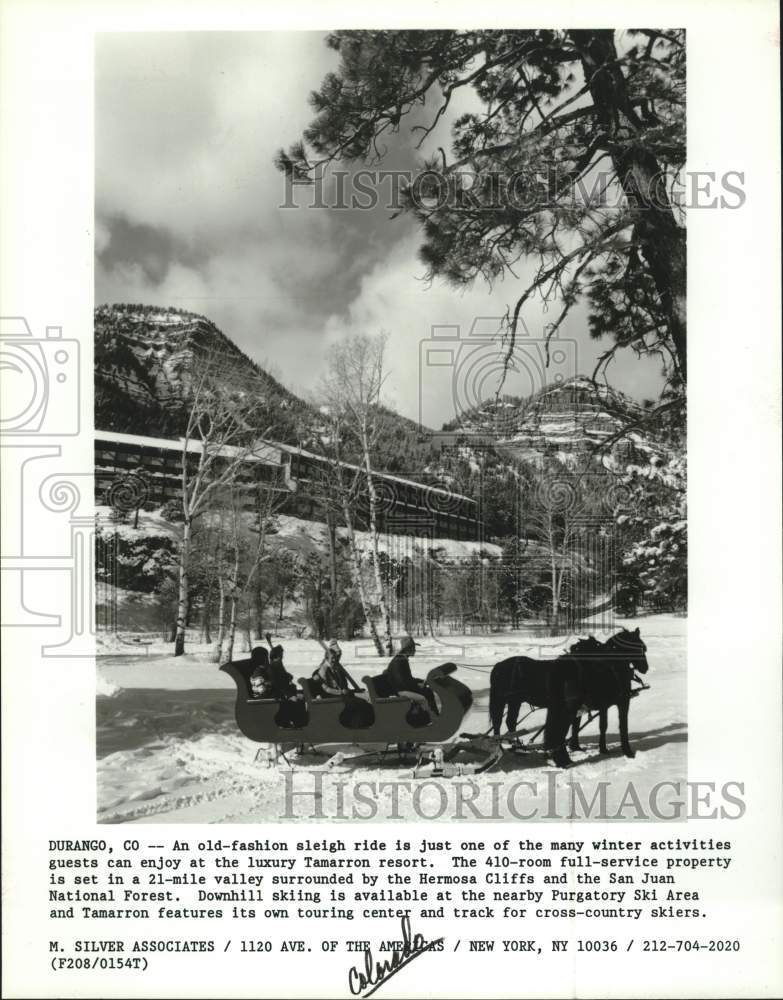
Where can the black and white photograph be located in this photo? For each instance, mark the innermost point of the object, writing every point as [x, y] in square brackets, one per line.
[390, 418]
[390, 413]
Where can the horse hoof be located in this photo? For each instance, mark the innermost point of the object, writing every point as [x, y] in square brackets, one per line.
[561, 760]
[629, 753]
[574, 747]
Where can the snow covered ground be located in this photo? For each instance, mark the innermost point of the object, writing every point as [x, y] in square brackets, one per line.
[168, 749]
[299, 534]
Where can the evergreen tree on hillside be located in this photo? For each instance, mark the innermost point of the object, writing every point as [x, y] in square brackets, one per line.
[568, 162]
[653, 523]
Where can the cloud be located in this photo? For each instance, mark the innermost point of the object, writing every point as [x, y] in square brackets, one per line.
[186, 125]
[188, 214]
[188, 201]
[417, 317]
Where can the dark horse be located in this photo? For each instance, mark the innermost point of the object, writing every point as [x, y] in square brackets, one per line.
[591, 674]
[521, 679]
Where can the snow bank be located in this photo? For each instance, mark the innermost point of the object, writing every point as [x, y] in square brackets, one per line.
[105, 688]
[169, 750]
[302, 534]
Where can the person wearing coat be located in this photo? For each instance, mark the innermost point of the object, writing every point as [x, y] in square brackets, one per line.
[329, 679]
[398, 679]
[270, 679]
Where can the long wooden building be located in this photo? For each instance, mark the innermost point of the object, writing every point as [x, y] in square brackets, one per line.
[403, 505]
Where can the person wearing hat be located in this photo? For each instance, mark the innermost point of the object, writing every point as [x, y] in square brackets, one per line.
[328, 679]
[260, 680]
[280, 685]
[280, 682]
[269, 678]
[397, 679]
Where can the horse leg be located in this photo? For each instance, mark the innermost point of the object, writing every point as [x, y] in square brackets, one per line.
[512, 714]
[496, 705]
[574, 741]
[555, 732]
[559, 712]
[603, 722]
[622, 711]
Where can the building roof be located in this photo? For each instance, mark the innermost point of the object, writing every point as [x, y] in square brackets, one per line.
[263, 451]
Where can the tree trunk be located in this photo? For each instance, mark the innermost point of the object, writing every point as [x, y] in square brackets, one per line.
[221, 621]
[231, 631]
[331, 532]
[662, 241]
[231, 628]
[376, 561]
[359, 579]
[559, 591]
[206, 631]
[182, 601]
[261, 604]
[553, 576]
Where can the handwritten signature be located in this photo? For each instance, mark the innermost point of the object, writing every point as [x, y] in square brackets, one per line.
[375, 974]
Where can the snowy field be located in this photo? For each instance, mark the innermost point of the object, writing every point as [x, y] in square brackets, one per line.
[168, 749]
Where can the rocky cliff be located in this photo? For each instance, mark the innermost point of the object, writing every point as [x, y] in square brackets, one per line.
[573, 422]
[144, 357]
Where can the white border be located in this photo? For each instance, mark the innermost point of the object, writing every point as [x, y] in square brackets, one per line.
[734, 438]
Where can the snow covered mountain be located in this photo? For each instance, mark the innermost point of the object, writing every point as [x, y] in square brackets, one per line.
[144, 358]
[144, 361]
[573, 422]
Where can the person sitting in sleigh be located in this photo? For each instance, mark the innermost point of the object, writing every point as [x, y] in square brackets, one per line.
[330, 679]
[397, 679]
[270, 679]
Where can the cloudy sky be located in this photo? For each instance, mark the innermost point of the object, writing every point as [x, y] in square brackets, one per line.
[189, 214]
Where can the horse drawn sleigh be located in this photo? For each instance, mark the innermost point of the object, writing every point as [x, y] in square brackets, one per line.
[590, 676]
[387, 723]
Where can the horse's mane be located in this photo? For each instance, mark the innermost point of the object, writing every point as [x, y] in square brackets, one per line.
[625, 638]
[621, 642]
[588, 645]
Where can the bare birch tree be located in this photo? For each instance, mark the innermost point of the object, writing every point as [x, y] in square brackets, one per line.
[559, 527]
[352, 389]
[338, 493]
[248, 554]
[219, 441]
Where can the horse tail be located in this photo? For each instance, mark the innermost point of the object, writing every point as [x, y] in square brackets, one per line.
[497, 699]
